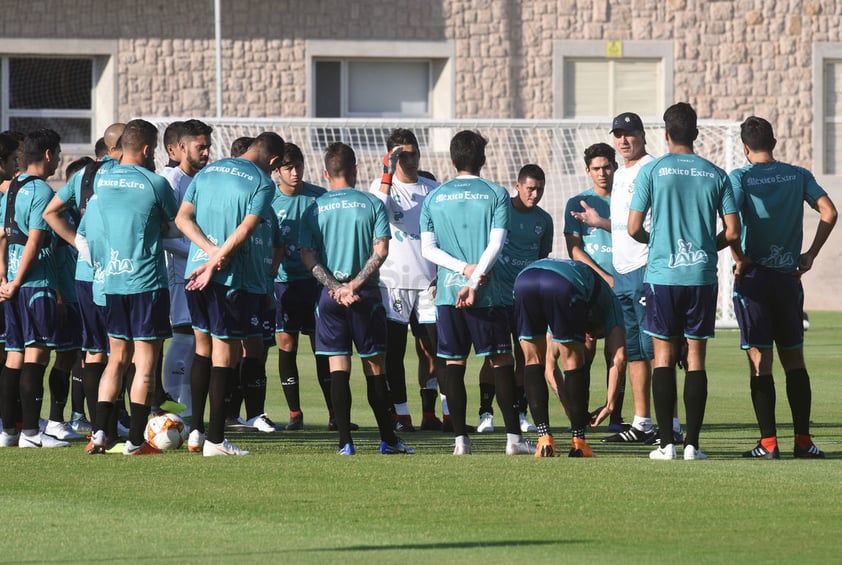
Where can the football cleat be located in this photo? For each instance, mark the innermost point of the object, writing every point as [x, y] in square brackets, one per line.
[397, 448]
[580, 448]
[629, 435]
[546, 447]
[760, 452]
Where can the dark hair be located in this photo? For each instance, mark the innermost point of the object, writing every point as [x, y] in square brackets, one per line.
[467, 151]
[16, 135]
[173, 133]
[100, 148]
[600, 150]
[292, 155]
[241, 145]
[427, 175]
[137, 134]
[757, 134]
[680, 123]
[8, 145]
[340, 159]
[270, 143]
[401, 136]
[37, 142]
[194, 128]
[531, 171]
[77, 165]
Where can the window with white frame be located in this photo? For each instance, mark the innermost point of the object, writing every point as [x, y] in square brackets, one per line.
[827, 108]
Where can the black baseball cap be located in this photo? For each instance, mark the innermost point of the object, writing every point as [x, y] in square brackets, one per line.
[628, 121]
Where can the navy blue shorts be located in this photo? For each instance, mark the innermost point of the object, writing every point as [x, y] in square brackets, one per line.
[69, 332]
[267, 319]
[769, 305]
[295, 306]
[94, 336]
[363, 323]
[144, 316]
[225, 313]
[630, 291]
[31, 318]
[680, 311]
[458, 328]
[546, 301]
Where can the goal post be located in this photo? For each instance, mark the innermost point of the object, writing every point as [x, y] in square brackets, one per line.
[556, 145]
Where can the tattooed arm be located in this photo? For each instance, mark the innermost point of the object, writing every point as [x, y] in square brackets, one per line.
[378, 257]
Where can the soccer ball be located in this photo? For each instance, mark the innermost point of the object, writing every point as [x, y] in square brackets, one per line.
[166, 431]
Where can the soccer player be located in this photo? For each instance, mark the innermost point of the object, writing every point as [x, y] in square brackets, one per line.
[530, 237]
[464, 223]
[685, 193]
[224, 205]
[344, 241]
[405, 276]
[572, 300]
[73, 198]
[28, 289]
[194, 146]
[296, 291]
[592, 245]
[768, 296]
[8, 157]
[171, 136]
[133, 204]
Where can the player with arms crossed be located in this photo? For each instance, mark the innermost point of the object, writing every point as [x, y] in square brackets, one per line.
[685, 193]
[768, 296]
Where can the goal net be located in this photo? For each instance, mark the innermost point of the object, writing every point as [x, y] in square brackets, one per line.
[556, 145]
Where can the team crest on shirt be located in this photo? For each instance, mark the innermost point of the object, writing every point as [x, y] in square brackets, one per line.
[117, 266]
[686, 255]
[539, 229]
[777, 259]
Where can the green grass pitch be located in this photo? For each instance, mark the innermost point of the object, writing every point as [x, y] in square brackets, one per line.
[296, 501]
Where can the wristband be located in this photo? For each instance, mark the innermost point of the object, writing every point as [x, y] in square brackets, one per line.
[386, 179]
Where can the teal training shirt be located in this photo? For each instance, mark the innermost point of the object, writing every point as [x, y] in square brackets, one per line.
[135, 205]
[224, 193]
[91, 229]
[595, 241]
[342, 225]
[685, 193]
[289, 210]
[770, 197]
[461, 214]
[530, 238]
[30, 203]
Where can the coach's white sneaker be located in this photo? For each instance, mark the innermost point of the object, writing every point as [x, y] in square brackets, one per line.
[8, 439]
[486, 423]
[61, 430]
[521, 447]
[693, 454]
[463, 446]
[664, 453]
[525, 425]
[225, 448]
[262, 423]
[40, 440]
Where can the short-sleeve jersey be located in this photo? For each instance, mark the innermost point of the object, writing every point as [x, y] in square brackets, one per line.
[134, 205]
[71, 194]
[530, 238]
[405, 267]
[685, 193]
[31, 201]
[223, 194]
[289, 209]
[177, 248]
[627, 254]
[264, 239]
[770, 197]
[604, 308]
[91, 229]
[342, 225]
[595, 241]
[461, 214]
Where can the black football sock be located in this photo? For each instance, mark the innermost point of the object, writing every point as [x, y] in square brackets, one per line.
[254, 386]
[486, 398]
[695, 401]
[800, 398]
[457, 396]
[9, 396]
[59, 390]
[395, 371]
[538, 396]
[199, 383]
[428, 400]
[664, 395]
[378, 399]
[77, 391]
[91, 375]
[577, 389]
[139, 414]
[219, 379]
[763, 398]
[323, 374]
[340, 391]
[234, 393]
[504, 384]
[31, 394]
[288, 372]
[104, 415]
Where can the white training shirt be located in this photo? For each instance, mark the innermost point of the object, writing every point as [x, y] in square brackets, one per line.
[405, 267]
[177, 248]
[628, 254]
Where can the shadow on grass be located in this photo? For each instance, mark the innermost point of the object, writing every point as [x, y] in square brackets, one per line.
[452, 545]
